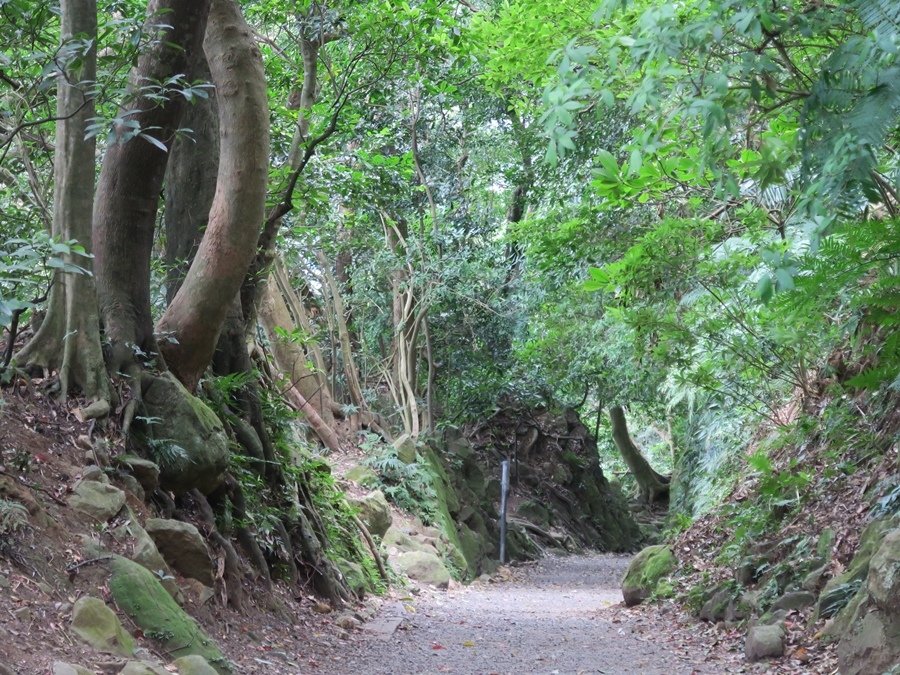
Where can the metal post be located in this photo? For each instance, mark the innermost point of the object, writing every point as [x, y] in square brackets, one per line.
[504, 490]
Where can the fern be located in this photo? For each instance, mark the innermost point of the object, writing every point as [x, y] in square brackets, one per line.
[13, 517]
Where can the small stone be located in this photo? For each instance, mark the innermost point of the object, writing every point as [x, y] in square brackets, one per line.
[98, 626]
[62, 668]
[143, 668]
[764, 642]
[145, 471]
[193, 665]
[347, 622]
[97, 500]
[94, 472]
[131, 484]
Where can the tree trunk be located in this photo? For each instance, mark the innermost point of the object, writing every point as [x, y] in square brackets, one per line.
[191, 184]
[196, 314]
[69, 338]
[350, 370]
[131, 178]
[653, 486]
[290, 357]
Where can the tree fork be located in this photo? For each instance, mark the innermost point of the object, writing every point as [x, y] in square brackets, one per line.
[198, 311]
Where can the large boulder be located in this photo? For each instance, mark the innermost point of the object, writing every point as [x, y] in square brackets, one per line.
[182, 547]
[98, 626]
[185, 436]
[100, 501]
[839, 590]
[374, 512]
[139, 594]
[869, 626]
[645, 571]
[423, 567]
[871, 646]
[884, 574]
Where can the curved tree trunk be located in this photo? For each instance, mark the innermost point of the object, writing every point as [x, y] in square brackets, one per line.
[653, 487]
[69, 338]
[196, 314]
[131, 178]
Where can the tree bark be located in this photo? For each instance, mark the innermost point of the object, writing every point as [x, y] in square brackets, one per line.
[290, 357]
[653, 486]
[195, 316]
[191, 184]
[69, 338]
[131, 178]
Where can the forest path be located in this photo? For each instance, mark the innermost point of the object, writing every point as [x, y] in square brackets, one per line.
[556, 616]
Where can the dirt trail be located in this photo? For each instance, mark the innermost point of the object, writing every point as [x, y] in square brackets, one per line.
[556, 616]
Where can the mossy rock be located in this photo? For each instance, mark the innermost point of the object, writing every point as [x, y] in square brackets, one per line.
[193, 665]
[354, 576]
[532, 511]
[838, 591]
[63, 668]
[424, 567]
[447, 503]
[198, 453]
[139, 594]
[403, 542]
[883, 580]
[374, 512]
[362, 475]
[645, 571]
[98, 626]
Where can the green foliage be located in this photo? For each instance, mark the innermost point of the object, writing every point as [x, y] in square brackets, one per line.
[13, 518]
[409, 486]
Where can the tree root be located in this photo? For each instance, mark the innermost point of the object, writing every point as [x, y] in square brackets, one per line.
[233, 575]
[367, 537]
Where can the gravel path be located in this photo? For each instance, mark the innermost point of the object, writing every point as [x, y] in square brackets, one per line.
[552, 617]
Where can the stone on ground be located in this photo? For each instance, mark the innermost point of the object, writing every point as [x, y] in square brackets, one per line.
[645, 571]
[362, 475]
[795, 600]
[145, 471]
[63, 668]
[143, 668]
[100, 501]
[139, 594]
[374, 512]
[183, 548]
[423, 567]
[193, 665]
[764, 642]
[98, 626]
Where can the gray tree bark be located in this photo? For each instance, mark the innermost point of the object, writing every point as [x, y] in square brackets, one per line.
[69, 338]
[653, 486]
